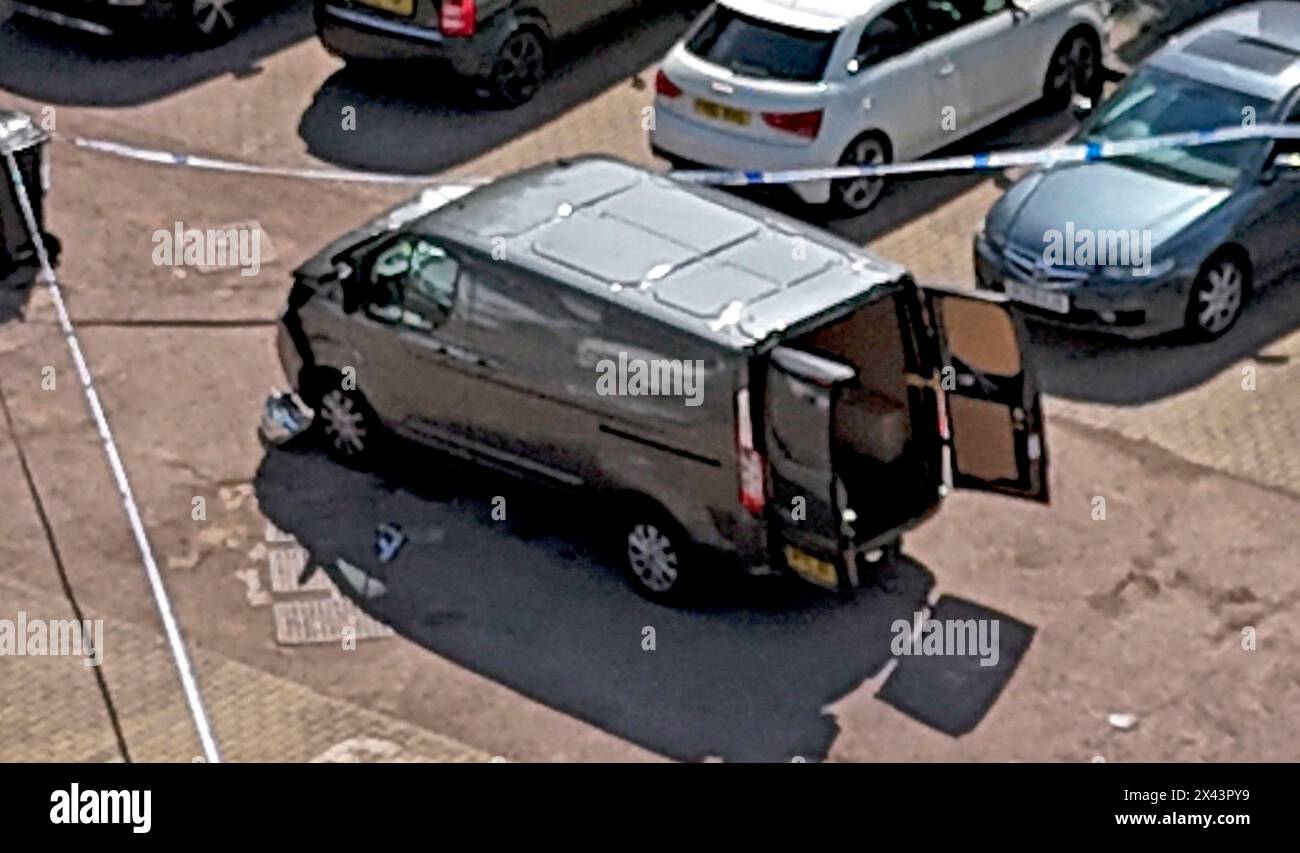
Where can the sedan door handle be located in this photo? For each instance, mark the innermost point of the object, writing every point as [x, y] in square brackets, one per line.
[947, 69]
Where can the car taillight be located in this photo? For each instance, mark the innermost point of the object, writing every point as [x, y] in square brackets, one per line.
[458, 18]
[750, 462]
[807, 124]
[666, 87]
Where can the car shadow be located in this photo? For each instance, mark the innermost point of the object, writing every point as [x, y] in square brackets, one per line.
[57, 65]
[14, 296]
[531, 602]
[1094, 368]
[407, 123]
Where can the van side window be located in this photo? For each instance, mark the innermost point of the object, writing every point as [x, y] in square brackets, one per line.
[413, 282]
[892, 34]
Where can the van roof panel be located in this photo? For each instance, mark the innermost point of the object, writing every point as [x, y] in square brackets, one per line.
[682, 218]
[706, 292]
[609, 249]
[703, 261]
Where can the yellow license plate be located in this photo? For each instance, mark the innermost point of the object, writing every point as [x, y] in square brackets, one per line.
[397, 7]
[722, 112]
[810, 568]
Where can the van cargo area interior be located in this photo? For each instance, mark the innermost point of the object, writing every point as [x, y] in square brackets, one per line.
[883, 466]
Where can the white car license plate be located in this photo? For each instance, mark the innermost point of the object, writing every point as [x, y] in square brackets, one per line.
[1038, 297]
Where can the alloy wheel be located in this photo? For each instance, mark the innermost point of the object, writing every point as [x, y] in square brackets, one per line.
[1074, 70]
[212, 19]
[1218, 297]
[860, 194]
[520, 68]
[652, 558]
[344, 423]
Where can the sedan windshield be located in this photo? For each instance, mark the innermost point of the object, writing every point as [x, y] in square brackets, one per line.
[757, 48]
[1154, 103]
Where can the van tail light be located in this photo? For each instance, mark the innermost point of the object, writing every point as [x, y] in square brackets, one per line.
[807, 125]
[750, 463]
[666, 87]
[458, 18]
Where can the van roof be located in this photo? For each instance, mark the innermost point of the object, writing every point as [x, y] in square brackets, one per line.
[700, 260]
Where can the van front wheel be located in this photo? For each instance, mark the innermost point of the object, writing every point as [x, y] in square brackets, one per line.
[656, 556]
[349, 426]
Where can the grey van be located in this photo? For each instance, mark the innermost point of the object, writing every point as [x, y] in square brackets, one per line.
[735, 386]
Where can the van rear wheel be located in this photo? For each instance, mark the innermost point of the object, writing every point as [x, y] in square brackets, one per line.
[657, 557]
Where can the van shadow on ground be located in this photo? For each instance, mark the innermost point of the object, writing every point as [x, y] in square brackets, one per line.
[410, 120]
[58, 65]
[1094, 368]
[532, 603]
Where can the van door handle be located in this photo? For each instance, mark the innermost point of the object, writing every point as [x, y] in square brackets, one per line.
[947, 69]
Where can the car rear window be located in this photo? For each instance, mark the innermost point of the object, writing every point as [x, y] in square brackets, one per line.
[757, 48]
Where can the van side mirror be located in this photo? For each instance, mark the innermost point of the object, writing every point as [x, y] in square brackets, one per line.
[1285, 167]
[1082, 106]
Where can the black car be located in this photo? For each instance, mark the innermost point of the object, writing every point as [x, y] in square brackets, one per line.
[502, 46]
[203, 21]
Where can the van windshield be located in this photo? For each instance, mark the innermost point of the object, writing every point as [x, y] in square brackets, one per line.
[757, 48]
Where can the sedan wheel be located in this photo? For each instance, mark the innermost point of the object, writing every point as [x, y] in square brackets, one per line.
[653, 559]
[520, 68]
[858, 195]
[346, 424]
[212, 20]
[1075, 70]
[1217, 298]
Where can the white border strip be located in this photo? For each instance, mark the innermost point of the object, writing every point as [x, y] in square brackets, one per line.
[161, 600]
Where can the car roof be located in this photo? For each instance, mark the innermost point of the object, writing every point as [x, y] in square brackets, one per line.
[702, 261]
[1254, 49]
[820, 15]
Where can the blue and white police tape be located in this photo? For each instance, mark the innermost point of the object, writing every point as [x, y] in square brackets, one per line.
[213, 164]
[1077, 153]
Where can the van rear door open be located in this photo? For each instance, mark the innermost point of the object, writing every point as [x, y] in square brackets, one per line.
[992, 409]
[798, 425]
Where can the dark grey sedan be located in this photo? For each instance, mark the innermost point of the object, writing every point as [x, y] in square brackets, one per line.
[1175, 238]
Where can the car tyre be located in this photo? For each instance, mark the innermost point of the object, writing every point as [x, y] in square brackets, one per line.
[520, 68]
[855, 196]
[210, 22]
[1218, 296]
[1075, 69]
[349, 427]
[657, 556]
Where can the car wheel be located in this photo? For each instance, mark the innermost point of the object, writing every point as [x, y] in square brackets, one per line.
[853, 196]
[519, 69]
[348, 426]
[212, 21]
[1075, 69]
[1218, 296]
[657, 558]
